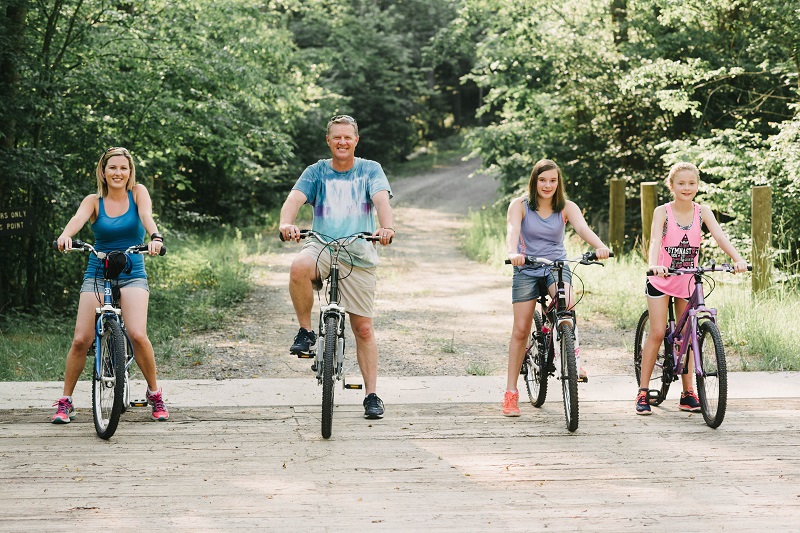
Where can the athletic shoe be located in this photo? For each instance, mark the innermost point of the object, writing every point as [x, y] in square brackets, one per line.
[373, 407]
[642, 406]
[64, 413]
[159, 409]
[304, 341]
[511, 403]
[689, 402]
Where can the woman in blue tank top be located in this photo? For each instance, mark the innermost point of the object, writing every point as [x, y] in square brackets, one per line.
[535, 226]
[121, 214]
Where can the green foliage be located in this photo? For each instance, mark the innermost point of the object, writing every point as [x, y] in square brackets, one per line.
[191, 289]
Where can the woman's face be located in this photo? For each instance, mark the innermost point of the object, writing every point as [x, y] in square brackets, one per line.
[547, 183]
[117, 172]
[684, 185]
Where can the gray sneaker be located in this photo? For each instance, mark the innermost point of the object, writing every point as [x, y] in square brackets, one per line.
[373, 407]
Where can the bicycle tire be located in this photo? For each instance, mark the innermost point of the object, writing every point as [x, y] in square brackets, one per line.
[712, 381]
[536, 364]
[665, 367]
[108, 388]
[328, 357]
[569, 375]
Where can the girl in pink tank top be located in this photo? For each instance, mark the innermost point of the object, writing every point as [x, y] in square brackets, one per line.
[675, 238]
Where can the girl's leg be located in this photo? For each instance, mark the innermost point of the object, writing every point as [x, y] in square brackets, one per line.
[658, 309]
[523, 316]
[134, 302]
[81, 341]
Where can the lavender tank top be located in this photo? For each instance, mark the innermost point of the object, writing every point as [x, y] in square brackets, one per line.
[541, 237]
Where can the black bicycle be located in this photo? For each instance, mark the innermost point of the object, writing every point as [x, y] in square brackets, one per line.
[553, 340]
[328, 355]
[113, 351]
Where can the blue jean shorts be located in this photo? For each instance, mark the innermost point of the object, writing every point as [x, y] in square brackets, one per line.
[525, 288]
[96, 284]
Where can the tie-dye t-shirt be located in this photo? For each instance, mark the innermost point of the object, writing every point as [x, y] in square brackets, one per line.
[342, 202]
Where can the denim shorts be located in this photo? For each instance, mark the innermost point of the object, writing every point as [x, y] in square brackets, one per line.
[96, 284]
[525, 288]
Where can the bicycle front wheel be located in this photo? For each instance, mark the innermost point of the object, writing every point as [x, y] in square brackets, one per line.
[535, 364]
[109, 383]
[569, 375]
[712, 380]
[328, 358]
[661, 371]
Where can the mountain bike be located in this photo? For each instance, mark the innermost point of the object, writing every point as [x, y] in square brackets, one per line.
[553, 339]
[113, 351]
[696, 331]
[329, 352]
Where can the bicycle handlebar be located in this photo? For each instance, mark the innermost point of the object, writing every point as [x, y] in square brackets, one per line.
[588, 258]
[80, 246]
[304, 233]
[713, 267]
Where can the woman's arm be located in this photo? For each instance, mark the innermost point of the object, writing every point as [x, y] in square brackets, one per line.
[144, 205]
[86, 211]
[575, 217]
[739, 264]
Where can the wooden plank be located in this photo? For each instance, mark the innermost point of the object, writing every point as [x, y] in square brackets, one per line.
[437, 467]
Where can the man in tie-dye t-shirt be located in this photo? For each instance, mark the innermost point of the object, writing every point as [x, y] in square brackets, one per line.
[346, 193]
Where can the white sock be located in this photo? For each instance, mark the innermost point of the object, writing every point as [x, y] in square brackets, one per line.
[152, 392]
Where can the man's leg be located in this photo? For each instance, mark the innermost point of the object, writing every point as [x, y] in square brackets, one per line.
[302, 272]
[366, 351]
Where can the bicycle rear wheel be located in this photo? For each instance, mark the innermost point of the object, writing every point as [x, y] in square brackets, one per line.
[535, 364]
[569, 375]
[712, 381]
[662, 371]
[328, 357]
[108, 390]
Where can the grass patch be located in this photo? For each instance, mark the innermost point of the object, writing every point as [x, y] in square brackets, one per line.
[479, 368]
[192, 287]
[754, 339]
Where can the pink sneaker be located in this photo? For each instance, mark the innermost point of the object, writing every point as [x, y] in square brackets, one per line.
[510, 403]
[64, 413]
[159, 409]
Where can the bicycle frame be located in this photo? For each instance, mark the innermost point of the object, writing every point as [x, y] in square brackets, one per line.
[686, 328]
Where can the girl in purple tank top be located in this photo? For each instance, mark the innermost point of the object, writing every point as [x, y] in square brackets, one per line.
[675, 238]
[536, 227]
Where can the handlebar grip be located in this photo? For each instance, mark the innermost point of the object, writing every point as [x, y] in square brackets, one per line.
[303, 233]
[163, 250]
[54, 245]
[749, 268]
[76, 243]
[508, 261]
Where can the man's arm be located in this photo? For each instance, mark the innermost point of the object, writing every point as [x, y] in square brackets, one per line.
[291, 207]
[385, 217]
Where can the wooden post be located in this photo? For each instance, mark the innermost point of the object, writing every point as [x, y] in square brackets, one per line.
[616, 215]
[761, 217]
[648, 198]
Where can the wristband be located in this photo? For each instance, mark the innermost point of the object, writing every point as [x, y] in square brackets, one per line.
[156, 236]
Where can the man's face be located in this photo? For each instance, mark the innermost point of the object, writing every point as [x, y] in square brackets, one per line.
[342, 141]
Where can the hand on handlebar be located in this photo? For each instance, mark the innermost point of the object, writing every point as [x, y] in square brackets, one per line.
[658, 270]
[516, 259]
[290, 232]
[740, 266]
[602, 253]
[385, 235]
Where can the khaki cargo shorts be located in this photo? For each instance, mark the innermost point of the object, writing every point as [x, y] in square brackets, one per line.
[356, 284]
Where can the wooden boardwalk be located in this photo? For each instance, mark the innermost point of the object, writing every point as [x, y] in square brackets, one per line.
[426, 467]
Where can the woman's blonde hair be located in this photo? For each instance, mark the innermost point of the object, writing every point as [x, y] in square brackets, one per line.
[679, 167]
[102, 186]
[560, 197]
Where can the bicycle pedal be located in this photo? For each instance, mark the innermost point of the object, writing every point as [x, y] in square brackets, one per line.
[306, 355]
[138, 403]
[353, 386]
[584, 379]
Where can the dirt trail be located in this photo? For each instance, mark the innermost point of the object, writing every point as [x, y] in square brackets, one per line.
[437, 313]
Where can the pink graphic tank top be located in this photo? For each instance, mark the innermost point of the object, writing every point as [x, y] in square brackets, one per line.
[680, 248]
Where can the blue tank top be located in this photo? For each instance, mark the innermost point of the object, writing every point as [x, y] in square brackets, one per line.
[117, 233]
[541, 237]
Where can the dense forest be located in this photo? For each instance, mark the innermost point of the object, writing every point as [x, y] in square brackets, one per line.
[223, 102]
